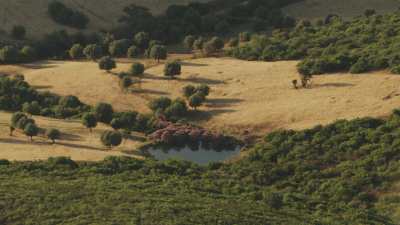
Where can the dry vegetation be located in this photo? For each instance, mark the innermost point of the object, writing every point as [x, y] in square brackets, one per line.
[245, 95]
[317, 9]
[103, 14]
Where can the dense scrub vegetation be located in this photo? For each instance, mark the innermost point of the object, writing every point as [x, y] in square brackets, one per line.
[367, 43]
[334, 174]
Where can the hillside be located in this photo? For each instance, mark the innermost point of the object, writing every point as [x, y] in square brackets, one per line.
[318, 9]
[255, 95]
[103, 14]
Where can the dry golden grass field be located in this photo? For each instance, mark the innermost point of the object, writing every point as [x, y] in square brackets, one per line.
[103, 14]
[76, 142]
[317, 9]
[253, 96]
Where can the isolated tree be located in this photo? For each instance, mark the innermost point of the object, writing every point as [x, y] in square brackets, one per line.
[137, 69]
[53, 134]
[28, 53]
[15, 118]
[158, 52]
[172, 69]
[177, 109]
[31, 130]
[9, 54]
[111, 138]
[18, 32]
[125, 82]
[104, 112]
[142, 40]
[89, 121]
[119, 48]
[188, 91]
[76, 51]
[107, 63]
[196, 100]
[133, 52]
[189, 41]
[93, 51]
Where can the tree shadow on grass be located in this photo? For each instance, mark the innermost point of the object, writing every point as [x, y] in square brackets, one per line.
[70, 137]
[207, 115]
[149, 76]
[337, 85]
[222, 102]
[38, 65]
[147, 91]
[78, 146]
[201, 80]
[22, 142]
[42, 86]
[193, 64]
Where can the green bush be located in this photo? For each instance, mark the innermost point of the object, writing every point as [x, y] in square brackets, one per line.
[137, 69]
[107, 63]
[103, 112]
[76, 51]
[111, 138]
[172, 69]
[93, 51]
[133, 52]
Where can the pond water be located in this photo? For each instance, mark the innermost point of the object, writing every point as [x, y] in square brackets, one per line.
[200, 156]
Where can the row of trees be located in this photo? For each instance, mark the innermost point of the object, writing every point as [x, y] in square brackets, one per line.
[20, 121]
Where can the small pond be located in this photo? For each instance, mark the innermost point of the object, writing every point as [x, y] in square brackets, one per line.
[200, 156]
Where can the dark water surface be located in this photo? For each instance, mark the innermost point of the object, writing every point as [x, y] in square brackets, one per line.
[200, 156]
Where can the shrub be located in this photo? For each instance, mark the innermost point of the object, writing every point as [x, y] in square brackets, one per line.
[198, 43]
[89, 120]
[70, 101]
[119, 48]
[18, 32]
[177, 109]
[158, 52]
[76, 51]
[125, 82]
[244, 37]
[32, 108]
[172, 69]
[233, 42]
[107, 63]
[31, 130]
[53, 134]
[161, 103]
[196, 100]
[141, 40]
[111, 138]
[188, 91]
[9, 54]
[137, 69]
[133, 52]
[203, 89]
[93, 51]
[189, 41]
[103, 112]
[28, 53]
[116, 124]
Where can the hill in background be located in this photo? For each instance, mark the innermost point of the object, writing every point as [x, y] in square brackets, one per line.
[315, 9]
[103, 14]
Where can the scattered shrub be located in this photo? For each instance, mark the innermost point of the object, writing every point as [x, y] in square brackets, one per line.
[107, 63]
[172, 69]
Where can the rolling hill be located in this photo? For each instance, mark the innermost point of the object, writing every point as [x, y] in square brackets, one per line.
[103, 14]
[316, 9]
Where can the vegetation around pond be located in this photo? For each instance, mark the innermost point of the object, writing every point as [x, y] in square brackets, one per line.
[337, 174]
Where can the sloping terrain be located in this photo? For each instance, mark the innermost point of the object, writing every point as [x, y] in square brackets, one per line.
[76, 142]
[103, 14]
[317, 9]
[245, 95]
